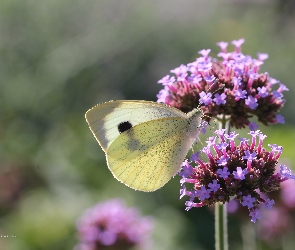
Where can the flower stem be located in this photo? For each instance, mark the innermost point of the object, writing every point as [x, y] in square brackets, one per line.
[220, 227]
[221, 239]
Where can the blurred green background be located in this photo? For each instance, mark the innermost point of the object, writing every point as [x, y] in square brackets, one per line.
[59, 58]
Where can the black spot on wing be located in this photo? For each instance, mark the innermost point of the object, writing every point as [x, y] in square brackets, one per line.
[124, 126]
[132, 144]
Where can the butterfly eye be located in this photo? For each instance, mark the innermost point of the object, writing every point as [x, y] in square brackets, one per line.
[123, 126]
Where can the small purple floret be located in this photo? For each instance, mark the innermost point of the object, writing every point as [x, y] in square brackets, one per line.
[219, 99]
[223, 173]
[203, 193]
[269, 203]
[214, 186]
[205, 98]
[223, 160]
[256, 215]
[248, 201]
[253, 126]
[240, 173]
[251, 102]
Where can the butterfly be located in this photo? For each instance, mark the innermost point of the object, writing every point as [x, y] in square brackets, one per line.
[145, 142]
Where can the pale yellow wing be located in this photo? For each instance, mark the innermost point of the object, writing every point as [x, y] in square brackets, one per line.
[105, 118]
[146, 156]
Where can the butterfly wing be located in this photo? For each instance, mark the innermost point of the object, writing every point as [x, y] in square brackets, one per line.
[105, 118]
[146, 156]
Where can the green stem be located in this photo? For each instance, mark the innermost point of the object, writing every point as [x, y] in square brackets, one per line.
[220, 227]
[221, 239]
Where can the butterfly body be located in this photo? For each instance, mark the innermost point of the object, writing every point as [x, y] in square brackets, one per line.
[144, 142]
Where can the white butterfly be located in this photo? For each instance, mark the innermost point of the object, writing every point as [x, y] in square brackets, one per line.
[144, 142]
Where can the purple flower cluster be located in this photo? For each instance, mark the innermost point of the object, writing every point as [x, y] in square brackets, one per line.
[278, 222]
[243, 171]
[231, 86]
[110, 225]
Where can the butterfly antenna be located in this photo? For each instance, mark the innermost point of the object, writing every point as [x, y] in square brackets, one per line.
[203, 123]
[219, 88]
[213, 92]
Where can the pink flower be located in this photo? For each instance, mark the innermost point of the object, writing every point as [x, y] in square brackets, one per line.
[239, 90]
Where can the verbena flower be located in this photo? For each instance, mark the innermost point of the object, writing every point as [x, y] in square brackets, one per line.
[237, 168]
[278, 222]
[229, 86]
[110, 225]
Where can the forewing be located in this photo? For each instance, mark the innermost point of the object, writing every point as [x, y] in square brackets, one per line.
[105, 118]
[148, 155]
